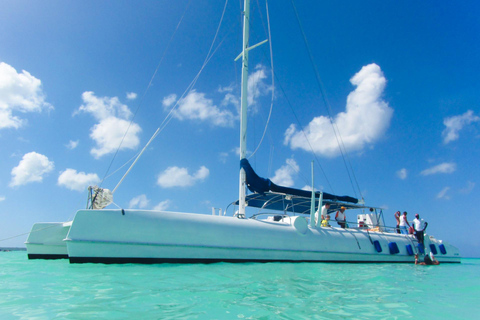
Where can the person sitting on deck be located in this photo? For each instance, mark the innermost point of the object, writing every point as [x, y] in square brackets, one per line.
[325, 221]
[341, 218]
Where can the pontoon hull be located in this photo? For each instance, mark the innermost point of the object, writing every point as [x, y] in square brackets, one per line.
[45, 240]
[133, 236]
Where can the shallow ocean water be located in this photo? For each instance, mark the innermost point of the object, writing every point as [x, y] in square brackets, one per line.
[55, 289]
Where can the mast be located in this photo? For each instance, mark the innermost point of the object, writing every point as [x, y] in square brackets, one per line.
[243, 109]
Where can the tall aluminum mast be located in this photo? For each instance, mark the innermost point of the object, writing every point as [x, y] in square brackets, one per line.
[243, 108]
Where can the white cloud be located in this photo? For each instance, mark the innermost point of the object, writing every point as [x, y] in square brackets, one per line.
[225, 89]
[446, 167]
[456, 123]
[2, 198]
[131, 95]
[402, 173]
[162, 206]
[256, 84]
[103, 107]
[140, 202]
[231, 99]
[113, 121]
[366, 119]
[19, 92]
[469, 187]
[284, 175]
[443, 194]
[179, 177]
[223, 156]
[196, 107]
[168, 101]
[31, 168]
[108, 135]
[309, 188]
[72, 144]
[77, 181]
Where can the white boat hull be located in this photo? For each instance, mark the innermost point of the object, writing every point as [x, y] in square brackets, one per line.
[45, 240]
[134, 236]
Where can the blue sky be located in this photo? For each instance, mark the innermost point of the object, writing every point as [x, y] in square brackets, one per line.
[401, 80]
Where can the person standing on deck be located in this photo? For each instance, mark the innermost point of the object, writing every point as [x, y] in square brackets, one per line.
[397, 217]
[404, 223]
[324, 212]
[419, 226]
[341, 218]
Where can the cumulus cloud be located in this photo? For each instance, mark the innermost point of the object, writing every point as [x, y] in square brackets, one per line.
[456, 123]
[19, 92]
[366, 119]
[443, 194]
[446, 167]
[2, 198]
[195, 106]
[402, 173]
[113, 121]
[163, 205]
[77, 181]
[231, 99]
[108, 135]
[131, 95]
[284, 175]
[168, 101]
[72, 144]
[309, 188]
[31, 168]
[257, 86]
[140, 202]
[179, 177]
[225, 89]
[103, 107]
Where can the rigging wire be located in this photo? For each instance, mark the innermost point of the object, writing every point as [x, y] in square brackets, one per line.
[306, 138]
[325, 100]
[169, 116]
[145, 93]
[273, 84]
[274, 76]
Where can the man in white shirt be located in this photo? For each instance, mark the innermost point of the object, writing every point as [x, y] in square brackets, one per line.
[324, 213]
[341, 218]
[419, 226]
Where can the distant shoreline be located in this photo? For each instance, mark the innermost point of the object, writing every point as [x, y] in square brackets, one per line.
[13, 249]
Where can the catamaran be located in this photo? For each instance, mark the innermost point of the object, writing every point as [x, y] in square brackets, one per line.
[282, 229]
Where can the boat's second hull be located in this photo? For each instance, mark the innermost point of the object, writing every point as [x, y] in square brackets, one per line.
[45, 240]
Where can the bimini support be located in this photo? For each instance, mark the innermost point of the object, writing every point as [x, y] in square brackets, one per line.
[312, 204]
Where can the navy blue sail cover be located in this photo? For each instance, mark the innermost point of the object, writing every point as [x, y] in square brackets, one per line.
[261, 185]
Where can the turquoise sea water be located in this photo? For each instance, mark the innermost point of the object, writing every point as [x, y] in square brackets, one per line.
[55, 289]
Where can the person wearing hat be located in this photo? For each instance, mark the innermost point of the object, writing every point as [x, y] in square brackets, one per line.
[340, 217]
[419, 226]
